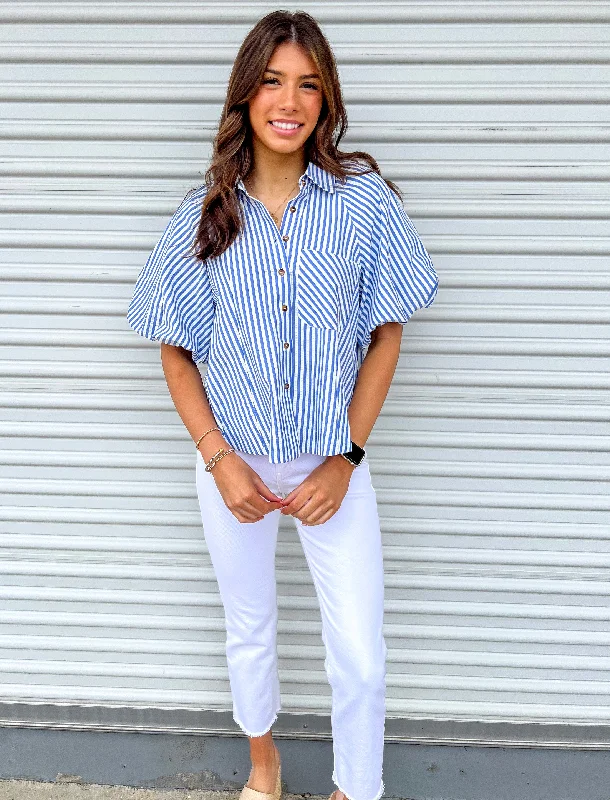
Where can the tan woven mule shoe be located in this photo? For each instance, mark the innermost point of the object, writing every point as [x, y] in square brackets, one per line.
[253, 794]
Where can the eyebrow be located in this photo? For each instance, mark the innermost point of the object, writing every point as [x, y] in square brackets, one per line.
[279, 72]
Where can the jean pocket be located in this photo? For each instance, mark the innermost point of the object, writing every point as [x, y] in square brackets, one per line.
[325, 286]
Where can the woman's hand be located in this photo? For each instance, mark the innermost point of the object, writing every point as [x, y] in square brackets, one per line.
[245, 494]
[320, 495]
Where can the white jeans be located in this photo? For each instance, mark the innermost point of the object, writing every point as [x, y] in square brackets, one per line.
[344, 555]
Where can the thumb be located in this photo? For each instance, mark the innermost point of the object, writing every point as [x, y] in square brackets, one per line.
[265, 491]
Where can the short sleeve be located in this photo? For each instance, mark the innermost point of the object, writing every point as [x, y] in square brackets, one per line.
[398, 276]
[172, 300]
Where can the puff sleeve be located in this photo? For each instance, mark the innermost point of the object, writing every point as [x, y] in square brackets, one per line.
[397, 276]
[172, 300]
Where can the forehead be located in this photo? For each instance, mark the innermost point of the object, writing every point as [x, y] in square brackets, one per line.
[291, 58]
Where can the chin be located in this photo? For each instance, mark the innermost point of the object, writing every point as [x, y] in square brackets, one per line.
[284, 147]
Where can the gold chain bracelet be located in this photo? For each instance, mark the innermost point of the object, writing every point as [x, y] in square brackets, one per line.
[205, 434]
[217, 456]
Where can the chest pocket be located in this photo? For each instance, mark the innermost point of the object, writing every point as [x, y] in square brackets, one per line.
[326, 287]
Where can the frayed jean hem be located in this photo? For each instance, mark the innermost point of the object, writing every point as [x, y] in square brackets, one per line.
[341, 789]
[262, 733]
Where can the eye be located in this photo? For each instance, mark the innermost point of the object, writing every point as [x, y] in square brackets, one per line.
[308, 85]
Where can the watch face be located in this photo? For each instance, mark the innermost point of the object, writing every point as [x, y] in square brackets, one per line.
[356, 454]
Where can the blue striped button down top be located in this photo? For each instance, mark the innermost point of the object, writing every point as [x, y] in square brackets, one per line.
[283, 318]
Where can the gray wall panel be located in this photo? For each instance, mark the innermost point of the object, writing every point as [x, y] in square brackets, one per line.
[490, 457]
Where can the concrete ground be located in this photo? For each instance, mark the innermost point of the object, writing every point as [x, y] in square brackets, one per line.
[73, 790]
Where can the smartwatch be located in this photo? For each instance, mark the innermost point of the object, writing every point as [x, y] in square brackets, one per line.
[355, 455]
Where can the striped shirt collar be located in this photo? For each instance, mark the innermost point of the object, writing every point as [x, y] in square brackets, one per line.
[325, 180]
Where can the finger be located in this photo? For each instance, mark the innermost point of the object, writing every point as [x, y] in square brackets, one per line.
[296, 504]
[304, 494]
[262, 506]
[265, 491]
[246, 520]
[308, 508]
[294, 493]
[312, 517]
[246, 511]
[320, 519]
[246, 515]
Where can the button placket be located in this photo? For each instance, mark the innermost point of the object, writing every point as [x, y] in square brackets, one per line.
[283, 332]
[284, 327]
[285, 320]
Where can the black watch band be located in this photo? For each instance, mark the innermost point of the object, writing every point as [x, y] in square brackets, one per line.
[355, 455]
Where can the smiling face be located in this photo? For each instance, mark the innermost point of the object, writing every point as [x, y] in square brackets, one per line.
[285, 110]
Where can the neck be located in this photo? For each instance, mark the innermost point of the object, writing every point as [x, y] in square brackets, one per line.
[274, 171]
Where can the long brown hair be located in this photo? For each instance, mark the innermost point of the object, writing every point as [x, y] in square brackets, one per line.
[232, 156]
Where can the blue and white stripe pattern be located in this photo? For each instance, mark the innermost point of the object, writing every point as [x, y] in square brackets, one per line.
[283, 318]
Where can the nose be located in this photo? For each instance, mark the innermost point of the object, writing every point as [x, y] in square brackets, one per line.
[288, 100]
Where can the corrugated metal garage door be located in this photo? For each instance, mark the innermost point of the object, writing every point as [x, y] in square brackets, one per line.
[490, 457]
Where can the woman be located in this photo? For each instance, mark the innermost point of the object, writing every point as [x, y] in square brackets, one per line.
[290, 273]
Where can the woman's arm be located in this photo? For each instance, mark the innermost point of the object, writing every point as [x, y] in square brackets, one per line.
[188, 393]
[373, 382]
[320, 495]
[244, 492]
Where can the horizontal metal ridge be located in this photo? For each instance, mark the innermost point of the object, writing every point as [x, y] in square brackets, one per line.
[589, 531]
[175, 432]
[551, 50]
[510, 555]
[402, 725]
[153, 599]
[493, 130]
[419, 498]
[517, 499]
[494, 441]
[408, 630]
[500, 345]
[434, 375]
[465, 659]
[510, 409]
[150, 622]
[191, 519]
[438, 169]
[209, 13]
[532, 377]
[440, 311]
[452, 278]
[463, 403]
[490, 470]
[544, 697]
[369, 92]
[169, 463]
[448, 569]
[174, 648]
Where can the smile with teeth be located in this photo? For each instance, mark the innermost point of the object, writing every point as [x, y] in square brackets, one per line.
[286, 126]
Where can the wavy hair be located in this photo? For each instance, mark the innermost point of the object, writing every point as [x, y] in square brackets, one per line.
[232, 152]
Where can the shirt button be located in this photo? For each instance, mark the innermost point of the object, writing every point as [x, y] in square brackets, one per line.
[284, 238]
[292, 209]
[281, 271]
[286, 386]
[286, 345]
[284, 308]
